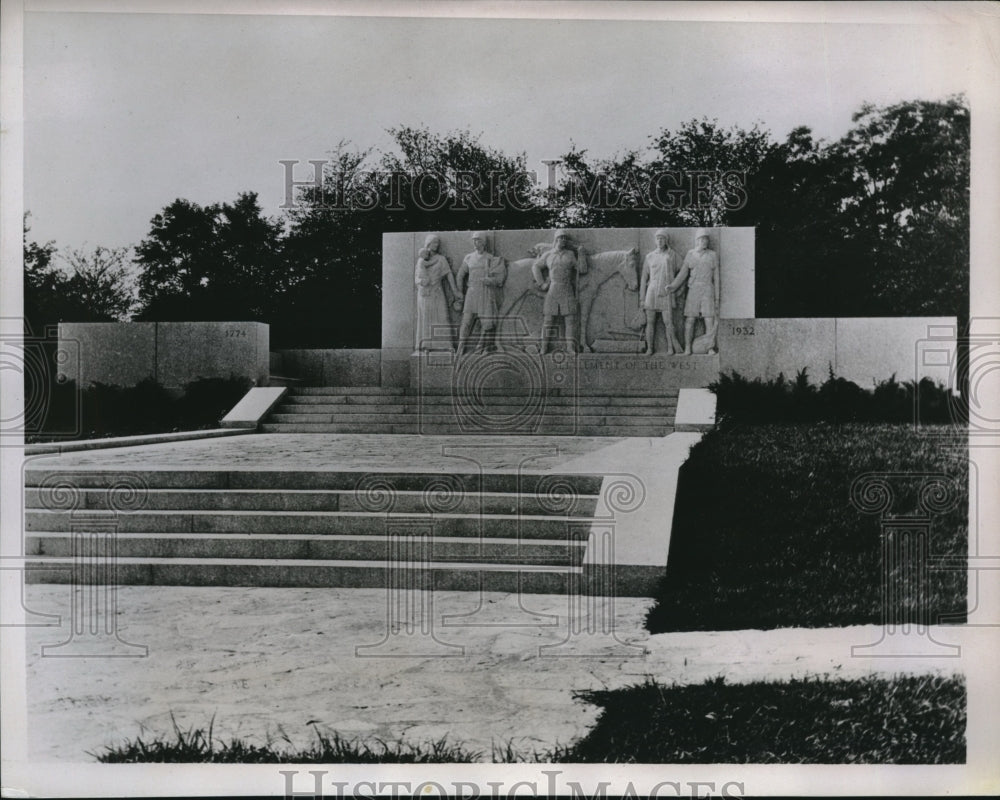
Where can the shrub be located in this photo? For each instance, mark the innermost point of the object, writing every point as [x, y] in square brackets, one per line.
[207, 400]
[109, 410]
[835, 400]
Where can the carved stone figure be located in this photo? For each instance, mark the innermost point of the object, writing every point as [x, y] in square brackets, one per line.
[432, 271]
[659, 269]
[521, 288]
[562, 264]
[486, 274]
[701, 271]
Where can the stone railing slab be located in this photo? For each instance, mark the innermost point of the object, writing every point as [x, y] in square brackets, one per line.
[255, 405]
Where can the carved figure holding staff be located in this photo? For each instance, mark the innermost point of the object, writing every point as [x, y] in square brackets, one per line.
[562, 265]
[486, 274]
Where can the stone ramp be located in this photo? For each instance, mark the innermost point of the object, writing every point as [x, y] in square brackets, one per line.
[400, 410]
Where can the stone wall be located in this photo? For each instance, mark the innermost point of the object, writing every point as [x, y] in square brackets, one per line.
[331, 367]
[862, 350]
[172, 353]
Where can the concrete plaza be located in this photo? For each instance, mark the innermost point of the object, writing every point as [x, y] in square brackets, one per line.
[266, 663]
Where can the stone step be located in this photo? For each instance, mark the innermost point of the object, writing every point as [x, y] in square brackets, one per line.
[483, 419]
[444, 576]
[282, 380]
[354, 480]
[395, 391]
[528, 526]
[372, 401]
[342, 408]
[376, 394]
[546, 423]
[453, 429]
[446, 405]
[566, 504]
[331, 547]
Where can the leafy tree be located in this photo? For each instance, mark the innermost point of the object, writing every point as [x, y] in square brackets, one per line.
[715, 161]
[695, 175]
[332, 257]
[794, 201]
[176, 258]
[453, 181]
[333, 248]
[907, 166]
[221, 261]
[613, 192]
[94, 286]
[101, 284]
[874, 224]
[44, 285]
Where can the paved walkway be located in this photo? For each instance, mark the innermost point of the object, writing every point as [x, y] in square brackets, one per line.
[268, 662]
[318, 451]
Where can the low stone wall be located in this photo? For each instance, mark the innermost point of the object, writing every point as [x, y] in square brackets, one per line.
[862, 350]
[331, 367]
[172, 353]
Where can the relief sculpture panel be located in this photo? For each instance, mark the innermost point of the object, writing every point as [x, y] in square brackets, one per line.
[578, 290]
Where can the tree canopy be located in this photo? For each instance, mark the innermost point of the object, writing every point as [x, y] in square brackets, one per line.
[79, 286]
[875, 223]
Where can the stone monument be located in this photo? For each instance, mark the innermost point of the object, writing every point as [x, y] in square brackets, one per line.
[584, 297]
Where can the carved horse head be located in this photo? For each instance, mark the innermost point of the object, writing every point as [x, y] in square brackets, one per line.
[629, 269]
[616, 262]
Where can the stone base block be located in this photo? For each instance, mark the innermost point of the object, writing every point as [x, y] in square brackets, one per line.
[561, 372]
[625, 346]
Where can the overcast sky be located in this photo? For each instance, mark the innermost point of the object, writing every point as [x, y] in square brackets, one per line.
[126, 112]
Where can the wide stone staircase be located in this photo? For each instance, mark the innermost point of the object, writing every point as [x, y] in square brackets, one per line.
[332, 409]
[495, 531]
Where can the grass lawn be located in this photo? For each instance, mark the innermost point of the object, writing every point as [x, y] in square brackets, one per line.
[765, 534]
[898, 720]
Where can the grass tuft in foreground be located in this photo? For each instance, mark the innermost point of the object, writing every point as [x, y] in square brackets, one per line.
[197, 745]
[897, 720]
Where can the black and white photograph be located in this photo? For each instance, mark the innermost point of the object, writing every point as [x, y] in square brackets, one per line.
[499, 398]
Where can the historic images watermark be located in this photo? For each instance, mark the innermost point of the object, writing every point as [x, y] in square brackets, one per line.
[43, 364]
[528, 530]
[78, 522]
[970, 359]
[907, 558]
[321, 783]
[467, 190]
